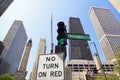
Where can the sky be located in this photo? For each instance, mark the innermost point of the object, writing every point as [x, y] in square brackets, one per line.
[36, 17]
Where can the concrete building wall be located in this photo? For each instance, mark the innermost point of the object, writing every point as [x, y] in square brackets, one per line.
[116, 4]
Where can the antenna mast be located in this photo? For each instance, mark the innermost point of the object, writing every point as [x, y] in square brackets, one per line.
[52, 44]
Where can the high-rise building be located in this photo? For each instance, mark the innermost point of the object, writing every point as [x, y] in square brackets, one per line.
[1, 50]
[1, 47]
[21, 72]
[107, 29]
[14, 43]
[41, 50]
[78, 48]
[4, 4]
[116, 4]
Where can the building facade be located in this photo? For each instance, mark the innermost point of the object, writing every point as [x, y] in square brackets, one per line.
[75, 69]
[78, 48]
[116, 4]
[107, 29]
[14, 43]
[41, 50]
[4, 4]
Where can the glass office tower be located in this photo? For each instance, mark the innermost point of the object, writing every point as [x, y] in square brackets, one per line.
[14, 43]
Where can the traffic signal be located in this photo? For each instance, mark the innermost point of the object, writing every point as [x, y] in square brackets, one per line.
[61, 34]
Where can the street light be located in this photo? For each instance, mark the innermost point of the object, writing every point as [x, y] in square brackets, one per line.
[98, 61]
[94, 46]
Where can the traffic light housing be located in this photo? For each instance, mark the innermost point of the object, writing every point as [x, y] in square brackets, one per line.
[61, 34]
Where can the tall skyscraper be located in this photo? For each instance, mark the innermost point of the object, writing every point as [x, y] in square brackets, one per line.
[1, 50]
[21, 72]
[78, 48]
[107, 29]
[41, 50]
[14, 43]
[116, 4]
[1, 47]
[4, 4]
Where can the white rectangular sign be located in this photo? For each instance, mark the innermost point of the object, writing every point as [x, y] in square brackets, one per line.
[50, 67]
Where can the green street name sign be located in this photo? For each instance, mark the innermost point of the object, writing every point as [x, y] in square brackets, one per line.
[78, 36]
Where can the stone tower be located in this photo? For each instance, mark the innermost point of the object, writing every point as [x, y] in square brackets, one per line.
[41, 50]
[21, 72]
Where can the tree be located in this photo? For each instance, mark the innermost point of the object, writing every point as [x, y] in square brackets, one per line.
[117, 63]
[7, 77]
[109, 77]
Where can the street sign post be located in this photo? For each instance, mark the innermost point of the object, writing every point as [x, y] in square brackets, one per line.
[50, 67]
[78, 36]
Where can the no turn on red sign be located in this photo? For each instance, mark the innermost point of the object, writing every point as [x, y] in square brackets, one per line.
[50, 67]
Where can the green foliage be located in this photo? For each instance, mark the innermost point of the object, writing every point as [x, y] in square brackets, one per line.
[117, 63]
[7, 77]
[108, 78]
[112, 78]
[99, 78]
